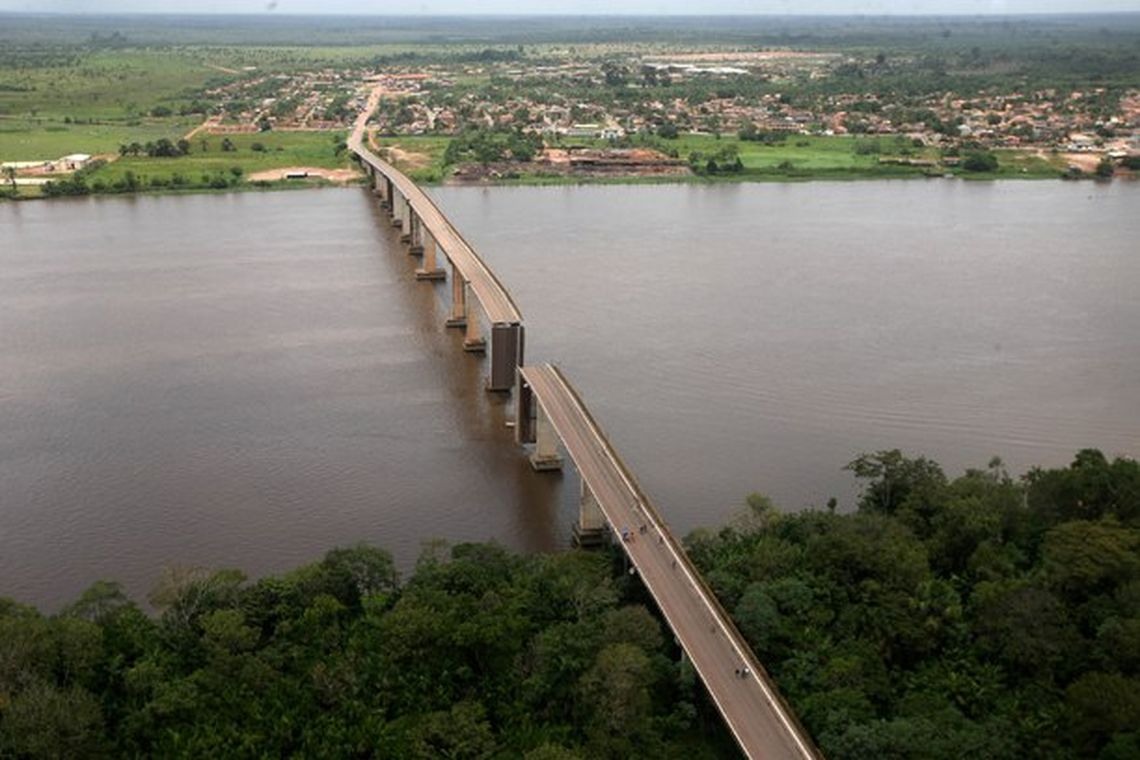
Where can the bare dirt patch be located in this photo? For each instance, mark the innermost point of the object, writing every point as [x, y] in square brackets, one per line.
[339, 176]
[407, 159]
[1086, 162]
[403, 159]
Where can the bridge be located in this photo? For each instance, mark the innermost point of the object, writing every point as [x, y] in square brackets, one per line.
[551, 416]
[429, 233]
[550, 411]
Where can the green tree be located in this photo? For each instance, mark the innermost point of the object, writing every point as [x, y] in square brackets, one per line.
[980, 161]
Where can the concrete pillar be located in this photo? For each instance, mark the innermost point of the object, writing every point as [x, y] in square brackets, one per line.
[590, 515]
[406, 215]
[524, 411]
[473, 340]
[506, 356]
[397, 209]
[590, 530]
[417, 241]
[458, 300]
[381, 188]
[430, 270]
[545, 456]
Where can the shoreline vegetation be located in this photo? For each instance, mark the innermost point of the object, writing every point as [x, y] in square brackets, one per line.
[982, 615]
[307, 160]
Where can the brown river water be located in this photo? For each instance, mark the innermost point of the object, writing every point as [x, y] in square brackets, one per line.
[248, 380]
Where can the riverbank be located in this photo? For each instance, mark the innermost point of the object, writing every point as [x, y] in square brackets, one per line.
[704, 158]
[291, 180]
[301, 160]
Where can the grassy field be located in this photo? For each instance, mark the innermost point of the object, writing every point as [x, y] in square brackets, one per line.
[96, 100]
[282, 149]
[1023, 164]
[26, 139]
[106, 84]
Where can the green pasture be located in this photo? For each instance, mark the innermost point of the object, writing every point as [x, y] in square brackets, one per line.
[282, 149]
[804, 152]
[1026, 164]
[98, 101]
[24, 139]
[106, 85]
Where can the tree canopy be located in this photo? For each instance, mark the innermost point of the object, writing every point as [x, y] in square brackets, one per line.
[478, 654]
[980, 616]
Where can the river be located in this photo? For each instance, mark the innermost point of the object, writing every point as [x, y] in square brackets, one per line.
[250, 379]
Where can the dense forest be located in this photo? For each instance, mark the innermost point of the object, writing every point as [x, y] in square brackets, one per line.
[979, 617]
[982, 616]
[479, 654]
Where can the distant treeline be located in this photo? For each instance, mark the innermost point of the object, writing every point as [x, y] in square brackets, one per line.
[818, 32]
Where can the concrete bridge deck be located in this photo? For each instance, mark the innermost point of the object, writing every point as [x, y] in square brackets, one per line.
[549, 411]
[497, 303]
[474, 287]
[763, 725]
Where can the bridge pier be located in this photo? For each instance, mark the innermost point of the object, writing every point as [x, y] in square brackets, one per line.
[590, 530]
[524, 410]
[406, 215]
[507, 344]
[473, 340]
[398, 208]
[417, 240]
[546, 457]
[385, 192]
[378, 182]
[430, 270]
[458, 316]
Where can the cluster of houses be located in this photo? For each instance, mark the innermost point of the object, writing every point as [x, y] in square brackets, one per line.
[315, 100]
[1067, 121]
[424, 101]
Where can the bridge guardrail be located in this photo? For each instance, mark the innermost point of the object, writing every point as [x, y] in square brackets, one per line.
[679, 550]
[404, 180]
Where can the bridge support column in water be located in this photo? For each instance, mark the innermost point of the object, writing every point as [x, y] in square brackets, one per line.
[386, 192]
[458, 316]
[382, 190]
[417, 240]
[545, 457]
[406, 215]
[590, 530]
[397, 209]
[429, 269]
[473, 340]
[507, 344]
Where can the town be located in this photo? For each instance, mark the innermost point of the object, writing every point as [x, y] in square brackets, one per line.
[554, 112]
[608, 105]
